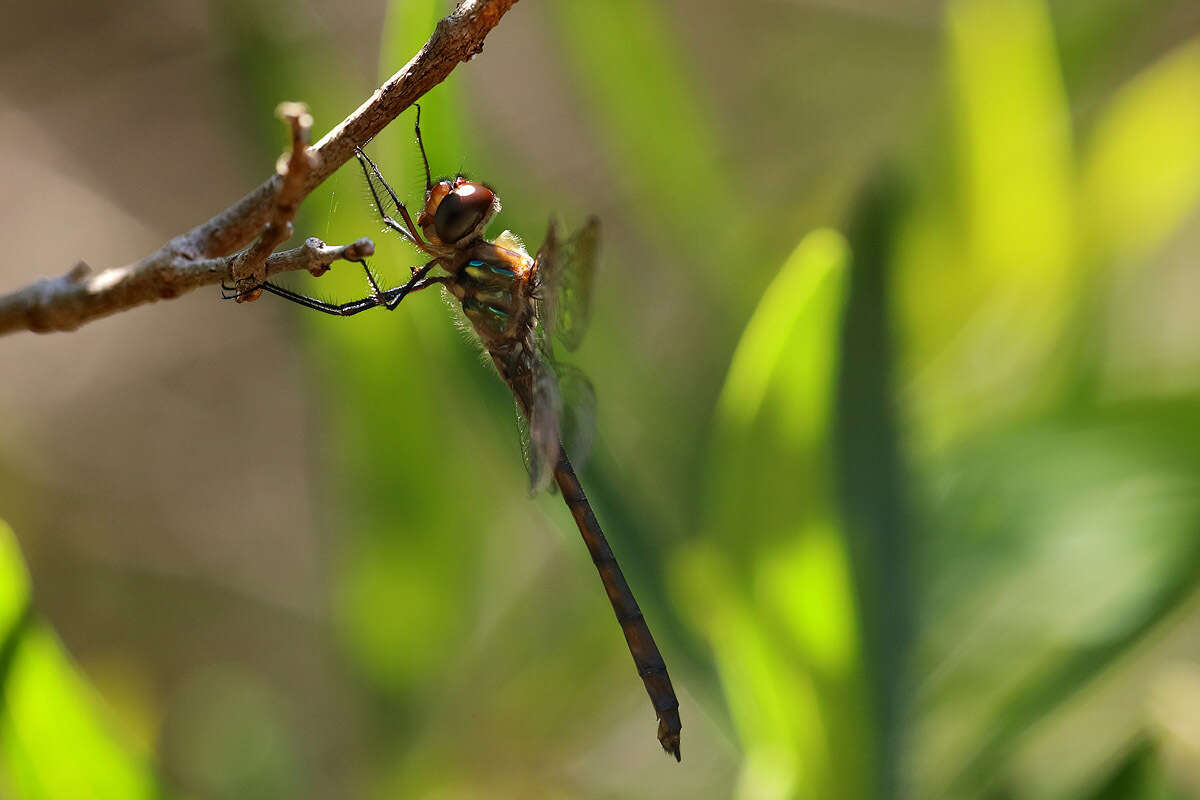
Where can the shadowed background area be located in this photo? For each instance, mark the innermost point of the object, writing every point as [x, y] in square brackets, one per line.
[897, 356]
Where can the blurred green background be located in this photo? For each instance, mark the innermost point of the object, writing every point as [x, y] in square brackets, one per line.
[898, 439]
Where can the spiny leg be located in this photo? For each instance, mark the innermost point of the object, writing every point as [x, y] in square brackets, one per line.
[389, 299]
[375, 290]
[369, 167]
[421, 144]
[415, 283]
[342, 310]
[392, 298]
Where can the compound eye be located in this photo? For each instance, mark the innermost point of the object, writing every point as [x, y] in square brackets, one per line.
[461, 211]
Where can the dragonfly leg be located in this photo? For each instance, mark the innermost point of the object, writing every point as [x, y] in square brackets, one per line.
[389, 299]
[370, 168]
[340, 310]
[418, 283]
[421, 144]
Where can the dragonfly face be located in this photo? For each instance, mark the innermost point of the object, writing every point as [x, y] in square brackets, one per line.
[457, 211]
[517, 305]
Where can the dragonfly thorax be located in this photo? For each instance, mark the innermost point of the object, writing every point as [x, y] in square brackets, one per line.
[457, 211]
[493, 285]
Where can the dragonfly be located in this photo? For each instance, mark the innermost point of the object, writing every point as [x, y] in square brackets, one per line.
[517, 306]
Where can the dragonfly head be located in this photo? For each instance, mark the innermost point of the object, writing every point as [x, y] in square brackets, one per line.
[457, 210]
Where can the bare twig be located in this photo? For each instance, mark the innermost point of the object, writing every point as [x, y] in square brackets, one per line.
[294, 170]
[316, 256]
[62, 304]
[262, 219]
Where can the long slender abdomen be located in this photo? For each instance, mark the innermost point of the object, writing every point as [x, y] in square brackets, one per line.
[649, 661]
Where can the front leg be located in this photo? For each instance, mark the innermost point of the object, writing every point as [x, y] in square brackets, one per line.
[374, 176]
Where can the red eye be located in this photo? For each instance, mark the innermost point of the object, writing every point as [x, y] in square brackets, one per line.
[461, 211]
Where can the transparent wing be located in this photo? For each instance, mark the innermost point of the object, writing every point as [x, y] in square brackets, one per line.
[564, 410]
[527, 454]
[577, 419]
[565, 273]
[545, 270]
[539, 433]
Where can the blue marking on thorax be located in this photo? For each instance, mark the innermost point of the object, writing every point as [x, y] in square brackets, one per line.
[493, 268]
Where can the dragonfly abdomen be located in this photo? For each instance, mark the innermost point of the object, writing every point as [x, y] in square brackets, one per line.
[650, 665]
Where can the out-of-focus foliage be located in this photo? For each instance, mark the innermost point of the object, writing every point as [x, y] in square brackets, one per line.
[684, 151]
[56, 741]
[1057, 485]
[912, 510]
[767, 583]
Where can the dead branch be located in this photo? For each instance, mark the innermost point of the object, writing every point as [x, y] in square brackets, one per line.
[213, 252]
[294, 171]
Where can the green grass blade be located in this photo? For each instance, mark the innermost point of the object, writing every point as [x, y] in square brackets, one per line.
[55, 742]
[768, 584]
[644, 104]
[1141, 169]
